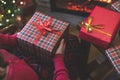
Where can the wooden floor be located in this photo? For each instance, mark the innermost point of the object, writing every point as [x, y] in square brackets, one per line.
[100, 71]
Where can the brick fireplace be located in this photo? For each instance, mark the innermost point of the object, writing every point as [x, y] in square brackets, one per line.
[77, 7]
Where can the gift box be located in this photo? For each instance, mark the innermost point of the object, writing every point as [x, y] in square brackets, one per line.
[40, 37]
[116, 6]
[113, 54]
[100, 27]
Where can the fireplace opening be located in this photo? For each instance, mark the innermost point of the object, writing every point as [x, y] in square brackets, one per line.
[78, 7]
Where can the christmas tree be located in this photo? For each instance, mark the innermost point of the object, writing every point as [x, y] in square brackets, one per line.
[10, 11]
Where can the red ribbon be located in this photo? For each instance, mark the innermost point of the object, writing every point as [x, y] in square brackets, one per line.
[43, 27]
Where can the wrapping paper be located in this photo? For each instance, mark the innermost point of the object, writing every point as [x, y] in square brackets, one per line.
[113, 55]
[110, 21]
[116, 5]
[48, 42]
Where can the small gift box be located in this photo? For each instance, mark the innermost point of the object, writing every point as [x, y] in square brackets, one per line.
[41, 35]
[100, 27]
[113, 55]
[116, 6]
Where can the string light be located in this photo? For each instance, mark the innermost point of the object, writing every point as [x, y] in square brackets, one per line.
[4, 2]
[18, 9]
[1, 16]
[13, 1]
[7, 20]
[18, 18]
[12, 15]
[9, 11]
[0, 24]
[21, 2]
[12, 11]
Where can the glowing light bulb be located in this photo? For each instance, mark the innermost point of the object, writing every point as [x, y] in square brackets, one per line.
[13, 1]
[18, 18]
[9, 11]
[0, 24]
[12, 15]
[21, 2]
[18, 9]
[7, 20]
[4, 2]
[2, 15]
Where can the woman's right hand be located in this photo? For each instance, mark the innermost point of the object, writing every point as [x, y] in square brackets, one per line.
[61, 48]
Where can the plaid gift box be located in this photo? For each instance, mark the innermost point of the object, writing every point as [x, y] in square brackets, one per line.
[116, 6]
[100, 27]
[45, 46]
[114, 56]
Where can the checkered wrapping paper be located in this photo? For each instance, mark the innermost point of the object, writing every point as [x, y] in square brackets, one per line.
[47, 42]
[114, 56]
[116, 5]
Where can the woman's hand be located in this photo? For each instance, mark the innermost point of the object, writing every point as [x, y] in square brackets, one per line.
[61, 48]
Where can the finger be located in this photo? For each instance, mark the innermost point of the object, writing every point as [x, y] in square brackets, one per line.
[64, 45]
[62, 42]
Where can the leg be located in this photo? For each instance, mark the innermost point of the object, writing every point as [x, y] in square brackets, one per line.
[85, 48]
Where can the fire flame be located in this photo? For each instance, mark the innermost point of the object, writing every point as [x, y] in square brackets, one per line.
[107, 1]
[78, 7]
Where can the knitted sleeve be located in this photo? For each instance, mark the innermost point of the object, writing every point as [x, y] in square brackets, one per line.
[7, 39]
[60, 72]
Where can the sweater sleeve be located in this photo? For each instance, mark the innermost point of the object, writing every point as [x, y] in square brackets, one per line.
[18, 69]
[7, 39]
[60, 72]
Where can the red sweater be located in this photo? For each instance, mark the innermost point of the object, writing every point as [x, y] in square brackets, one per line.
[60, 72]
[20, 70]
[6, 39]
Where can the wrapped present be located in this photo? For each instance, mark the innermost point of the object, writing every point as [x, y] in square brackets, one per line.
[100, 27]
[116, 6]
[113, 55]
[41, 35]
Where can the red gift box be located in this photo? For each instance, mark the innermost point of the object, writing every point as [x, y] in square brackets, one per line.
[41, 35]
[104, 24]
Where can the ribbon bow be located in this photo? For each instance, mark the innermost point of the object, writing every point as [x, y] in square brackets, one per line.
[89, 27]
[43, 27]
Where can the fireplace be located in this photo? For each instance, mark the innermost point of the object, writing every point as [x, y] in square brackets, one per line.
[78, 7]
